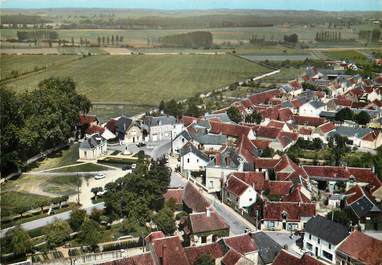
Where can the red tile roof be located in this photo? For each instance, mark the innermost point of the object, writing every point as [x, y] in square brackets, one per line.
[187, 120]
[371, 137]
[243, 244]
[111, 125]
[294, 210]
[265, 163]
[176, 194]
[287, 138]
[252, 178]
[296, 196]
[279, 188]
[231, 257]
[327, 127]
[247, 103]
[170, 250]
[264, 97]
[200, 222]
[305, 131]
[145, 259]
[364, 175]
[309, 121]
[261, 144]
[193, 253]
[95, 129]
[194, 199]
[362, 248]
[228, 129]
[267, 132]
[286, 258]
[276, 124]
[285, 114]
[235, 185]
[87, 119]
[154, 235]
[355, 193]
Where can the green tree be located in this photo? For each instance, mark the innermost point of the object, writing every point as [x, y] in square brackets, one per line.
[95, 191]
[344, 114]
[234, 114]
[18, 241]
[362, 118]
[57, 233]
[344, 216]
[165, 221]
[338, 147]
[77, 217]
[204, 259]
[90, 233]
[254, 117]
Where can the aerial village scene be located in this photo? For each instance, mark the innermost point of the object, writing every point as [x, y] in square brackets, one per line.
[200, 133]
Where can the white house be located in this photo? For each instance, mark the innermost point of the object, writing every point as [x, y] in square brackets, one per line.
[238, 193]
[161, 128]
[224, 163]
[322, 237]
[93, 147]
[192, 160]
[180, 140]
[312, 108]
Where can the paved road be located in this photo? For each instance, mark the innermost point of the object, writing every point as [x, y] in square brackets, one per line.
[50, 219]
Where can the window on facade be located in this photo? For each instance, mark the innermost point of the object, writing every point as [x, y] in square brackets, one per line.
[85, 153]
[308, 246]
[250, 199]
[310, 237]
[188, 160]
[197, 160]
[318, 240]
[211, 183]
[327, 255]
[330, 246]
[204, 239]
[182, 140]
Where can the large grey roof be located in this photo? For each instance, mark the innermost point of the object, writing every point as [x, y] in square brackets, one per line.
[160, 120]
[351, 131]
[363, 206]
[317, 104]
[327, 230]
[268, 248]
[212, 139]
[190, 148]
[221, 116]
[185, 134]
[328, 114]
[123, 123]
[93, 141]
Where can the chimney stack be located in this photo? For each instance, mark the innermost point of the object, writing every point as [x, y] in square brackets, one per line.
[208, 212]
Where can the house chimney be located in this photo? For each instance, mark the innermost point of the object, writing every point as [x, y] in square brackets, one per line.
[208, 212]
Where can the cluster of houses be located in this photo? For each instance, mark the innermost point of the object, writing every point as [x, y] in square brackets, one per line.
[226, 159]
[204, 232]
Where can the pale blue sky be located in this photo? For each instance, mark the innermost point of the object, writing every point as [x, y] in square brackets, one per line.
[331, 5]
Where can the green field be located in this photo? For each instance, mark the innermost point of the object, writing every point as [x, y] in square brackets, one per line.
[147, 79]
[351, 55]
[27, 63]
[11, 201]
[62, 158]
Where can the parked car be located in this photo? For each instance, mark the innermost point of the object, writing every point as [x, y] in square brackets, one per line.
[141, 144]
[99, 176]
[127, 167]
[133, 166]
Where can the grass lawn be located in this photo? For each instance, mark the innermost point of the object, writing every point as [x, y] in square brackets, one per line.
[11, 200]
[62, 158]
[147, 79]
[86, 167]
[351, 55]
[28, 63]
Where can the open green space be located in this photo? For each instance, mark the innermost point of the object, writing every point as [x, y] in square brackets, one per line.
[348, 55]
[11, 201]
[28, 63]
[59, 159]
[144, 79]
[86, 167]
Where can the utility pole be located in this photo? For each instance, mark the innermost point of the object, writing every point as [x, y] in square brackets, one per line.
[78, 190]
